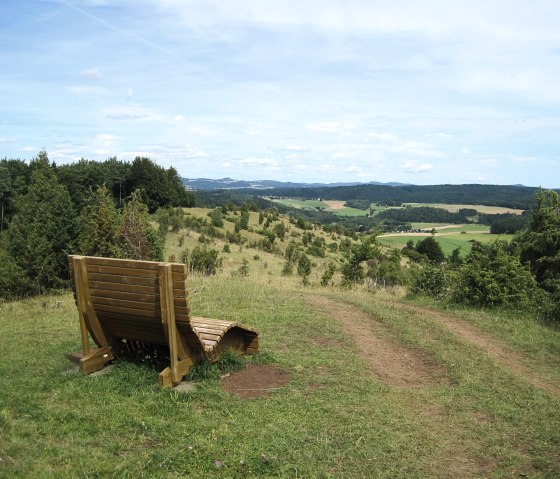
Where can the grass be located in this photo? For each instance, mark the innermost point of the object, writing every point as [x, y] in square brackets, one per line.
[450, 228]
[448, 242]
[318, 204]
[334, 419]
[454, 208]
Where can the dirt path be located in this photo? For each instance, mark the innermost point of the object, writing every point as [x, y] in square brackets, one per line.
[495, 348]
[393, 362]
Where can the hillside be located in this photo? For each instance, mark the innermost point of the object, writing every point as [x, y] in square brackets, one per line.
[377, 386]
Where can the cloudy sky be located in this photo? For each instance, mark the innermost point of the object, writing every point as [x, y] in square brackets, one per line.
[426, 92]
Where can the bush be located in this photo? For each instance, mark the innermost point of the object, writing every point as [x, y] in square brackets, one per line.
[204, 260]
[430, 280]
[328, 274]
[492, 276]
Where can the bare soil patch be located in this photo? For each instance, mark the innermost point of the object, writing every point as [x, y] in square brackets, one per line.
[255, 381]
[393, 362]
[335, 205]
[495, 348]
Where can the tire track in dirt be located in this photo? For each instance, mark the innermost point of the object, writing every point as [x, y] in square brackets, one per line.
[399, 365]
[392, 361]
[493, 346]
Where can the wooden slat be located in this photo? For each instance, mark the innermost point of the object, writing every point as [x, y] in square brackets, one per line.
[135, 297]
[212, 322]
[131, 272]
[128, 263]
[101, 304]
[136, 312]
[134, 288]
[212, 337]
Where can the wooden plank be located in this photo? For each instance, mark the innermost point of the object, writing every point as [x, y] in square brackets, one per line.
[101, 304]
[129, 312]
[134, 289]
[132, 263]
[210, 322]
[105, 294]
[212, 337]
[86, 307]
[168, 317]
[128, 280]
[81, 301]
[131, 272]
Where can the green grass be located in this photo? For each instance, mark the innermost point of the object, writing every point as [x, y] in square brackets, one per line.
[450, 228]
[454, 208]
[447, 242]
[334, 419]
[315, 204]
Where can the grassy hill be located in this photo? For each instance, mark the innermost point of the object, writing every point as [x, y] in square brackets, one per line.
[379, 385]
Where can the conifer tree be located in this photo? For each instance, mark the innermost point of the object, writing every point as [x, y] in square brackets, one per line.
[41, 233]
[100, 235]
[138, 239]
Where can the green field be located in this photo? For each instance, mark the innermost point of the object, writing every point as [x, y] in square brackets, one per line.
[480, 208]
[454, 208]
[324, 205]
[457, 412]
[447, 242]
[448, 228]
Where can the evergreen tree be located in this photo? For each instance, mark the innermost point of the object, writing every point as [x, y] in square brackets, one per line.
[138, 239]
[431, 248]
[41, 233]
[100, 235]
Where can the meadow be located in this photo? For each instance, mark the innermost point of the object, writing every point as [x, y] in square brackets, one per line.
[330, 206]
[380, 386]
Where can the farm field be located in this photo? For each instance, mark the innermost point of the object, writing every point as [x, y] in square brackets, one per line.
[451, 228]
[336, 207]
[480, 208]
[447, 241]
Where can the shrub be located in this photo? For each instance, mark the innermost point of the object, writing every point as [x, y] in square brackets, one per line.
[328, 274]
[204, 260]
[492, 276]
[430, 280]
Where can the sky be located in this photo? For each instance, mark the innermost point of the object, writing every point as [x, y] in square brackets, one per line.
[423, 92]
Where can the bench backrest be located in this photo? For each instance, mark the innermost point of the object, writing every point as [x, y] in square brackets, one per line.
[125, 298]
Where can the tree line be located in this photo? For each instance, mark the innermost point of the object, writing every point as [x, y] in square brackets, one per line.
[92, 208]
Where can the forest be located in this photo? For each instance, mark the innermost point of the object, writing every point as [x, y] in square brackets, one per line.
[521, 197]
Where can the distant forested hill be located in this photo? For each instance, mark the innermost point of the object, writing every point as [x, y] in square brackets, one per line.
[493, 195]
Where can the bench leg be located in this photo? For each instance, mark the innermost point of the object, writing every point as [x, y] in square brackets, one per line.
[96, 360]
[165, 378]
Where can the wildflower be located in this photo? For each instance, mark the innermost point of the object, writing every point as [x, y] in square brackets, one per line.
[218, 463]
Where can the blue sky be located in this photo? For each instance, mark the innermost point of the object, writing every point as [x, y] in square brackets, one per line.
[424, 92]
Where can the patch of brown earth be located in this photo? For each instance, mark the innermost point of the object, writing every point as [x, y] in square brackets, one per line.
[495, 348]
[393, 362]
[255, 381]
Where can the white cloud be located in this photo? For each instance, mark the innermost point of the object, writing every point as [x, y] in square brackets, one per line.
[414, 167]
[105, 137]
[86, 90]
[329, 126]
[92, 73]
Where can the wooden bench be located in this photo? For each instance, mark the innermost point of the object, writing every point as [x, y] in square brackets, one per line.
[127, 302]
